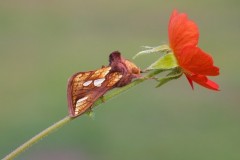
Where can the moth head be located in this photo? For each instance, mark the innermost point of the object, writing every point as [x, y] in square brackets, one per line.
[119, 64]
[127, 69]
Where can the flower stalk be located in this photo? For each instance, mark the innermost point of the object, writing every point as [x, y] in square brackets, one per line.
[68, 119]
[38, 137]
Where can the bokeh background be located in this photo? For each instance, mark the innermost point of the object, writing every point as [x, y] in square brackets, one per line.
[42, 43]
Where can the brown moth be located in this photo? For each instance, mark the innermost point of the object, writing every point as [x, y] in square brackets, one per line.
[84, 88]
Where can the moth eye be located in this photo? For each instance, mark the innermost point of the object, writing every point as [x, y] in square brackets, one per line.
[87, 83]
[98, 82]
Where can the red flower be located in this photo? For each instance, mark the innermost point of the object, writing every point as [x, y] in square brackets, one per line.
[195, 63]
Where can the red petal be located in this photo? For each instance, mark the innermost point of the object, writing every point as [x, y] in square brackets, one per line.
[205, 82]
[182, 32]
[192, 59]
[190, 81]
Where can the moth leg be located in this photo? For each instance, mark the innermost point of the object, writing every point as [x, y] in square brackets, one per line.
[143, 71]
[102, 99]
[154, 78]
[90, 113]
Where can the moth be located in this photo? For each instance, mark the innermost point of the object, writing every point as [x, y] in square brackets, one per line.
[84, 88]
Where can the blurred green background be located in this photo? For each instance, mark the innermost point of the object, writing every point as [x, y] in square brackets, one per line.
[42, 43]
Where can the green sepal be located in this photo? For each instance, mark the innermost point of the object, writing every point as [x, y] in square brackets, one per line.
[167, 61]
[175, 74]
[149, 50]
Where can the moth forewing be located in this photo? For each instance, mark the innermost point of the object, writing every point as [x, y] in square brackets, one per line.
[84, 88]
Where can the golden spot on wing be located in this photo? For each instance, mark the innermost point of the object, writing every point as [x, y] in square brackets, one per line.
[100, 73]
[80, 77]
[79, 108]
[114, 78]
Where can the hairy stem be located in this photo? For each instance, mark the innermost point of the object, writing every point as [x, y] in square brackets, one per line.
[67, 119]
[38, 137]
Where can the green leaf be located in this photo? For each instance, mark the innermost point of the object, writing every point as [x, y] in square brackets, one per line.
[149, 50]
[175, 74]
[165, 62]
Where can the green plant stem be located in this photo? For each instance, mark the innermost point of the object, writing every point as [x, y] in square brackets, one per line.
[67, 119]
[38, 137]
[125, 88]
[118, 91]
